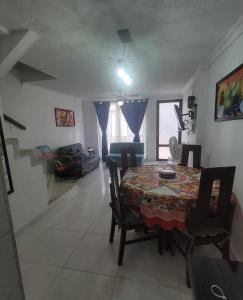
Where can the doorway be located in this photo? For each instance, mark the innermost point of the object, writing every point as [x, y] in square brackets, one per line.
[167, 126]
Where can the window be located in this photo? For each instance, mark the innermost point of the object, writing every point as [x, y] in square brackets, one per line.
[167, 126]
[117, 128]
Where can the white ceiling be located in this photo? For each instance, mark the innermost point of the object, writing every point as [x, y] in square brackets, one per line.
[77, 37]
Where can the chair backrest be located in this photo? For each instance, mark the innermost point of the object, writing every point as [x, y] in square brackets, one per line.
[203, 217]
[196, 150]
[116, 147]
[128, 158]
[116, 204]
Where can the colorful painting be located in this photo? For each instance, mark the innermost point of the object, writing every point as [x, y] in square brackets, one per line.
[64, 117]
[229, 96]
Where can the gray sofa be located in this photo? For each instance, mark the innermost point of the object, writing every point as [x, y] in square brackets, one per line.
[88, 161]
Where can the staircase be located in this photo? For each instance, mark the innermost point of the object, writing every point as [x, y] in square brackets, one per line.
[34, 155]
[55, 187]
[35, 158]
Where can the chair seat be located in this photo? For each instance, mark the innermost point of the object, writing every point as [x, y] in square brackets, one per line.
[122, 217]
[132, 219]
[208, 233]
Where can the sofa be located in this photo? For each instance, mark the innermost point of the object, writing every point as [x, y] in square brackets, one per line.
[115, 152]
[70, 161]
[88, 159]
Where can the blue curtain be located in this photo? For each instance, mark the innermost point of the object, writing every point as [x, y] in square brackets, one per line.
[134, 114]
[102, 111]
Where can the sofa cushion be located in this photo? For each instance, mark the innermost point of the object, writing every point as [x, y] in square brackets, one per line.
[72, 170]
[115, 151]
[75, 150]
[72, 150]
[117, 158]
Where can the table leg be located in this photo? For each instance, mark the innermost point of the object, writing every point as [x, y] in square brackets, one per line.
[161, 241]
[168, 243]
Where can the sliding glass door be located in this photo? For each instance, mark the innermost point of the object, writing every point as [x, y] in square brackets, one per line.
[167, 126]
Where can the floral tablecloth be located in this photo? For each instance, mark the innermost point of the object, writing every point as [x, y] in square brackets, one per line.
[160, 201]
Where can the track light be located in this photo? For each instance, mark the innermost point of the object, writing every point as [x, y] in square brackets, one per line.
[124, 76]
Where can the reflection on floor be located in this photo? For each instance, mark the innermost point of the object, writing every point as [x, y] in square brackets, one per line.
[57, 187]
[66, 255]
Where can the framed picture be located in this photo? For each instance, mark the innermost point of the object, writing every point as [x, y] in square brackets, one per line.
[229, 96]
[64, 117]
[5, 162]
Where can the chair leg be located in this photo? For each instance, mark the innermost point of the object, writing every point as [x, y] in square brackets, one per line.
[168, 243]
[145, 230]
[161, 241]
[226, 250]
[190, 246]
[189, 250]
[112, 230]
[188, 283]
[122, 245]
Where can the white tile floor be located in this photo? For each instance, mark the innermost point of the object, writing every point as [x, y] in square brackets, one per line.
[65, 253]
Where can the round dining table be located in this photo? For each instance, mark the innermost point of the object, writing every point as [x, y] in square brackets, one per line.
[163, 202]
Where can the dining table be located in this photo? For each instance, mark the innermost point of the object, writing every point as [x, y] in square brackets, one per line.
[163, 202]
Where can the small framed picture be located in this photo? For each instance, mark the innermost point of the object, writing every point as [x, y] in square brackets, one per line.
[64, 117]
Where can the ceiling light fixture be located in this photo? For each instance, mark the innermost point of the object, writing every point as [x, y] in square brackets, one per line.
[120, 103]
[124, 76]
[125, 38]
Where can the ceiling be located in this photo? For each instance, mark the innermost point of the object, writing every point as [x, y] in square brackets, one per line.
[78, 41]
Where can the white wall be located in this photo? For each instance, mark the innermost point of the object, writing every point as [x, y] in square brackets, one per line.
[9, 276]
[34, 107]
[30, 195]
[222, 141]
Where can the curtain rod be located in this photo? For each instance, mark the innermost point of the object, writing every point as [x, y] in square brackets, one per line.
[115, 101]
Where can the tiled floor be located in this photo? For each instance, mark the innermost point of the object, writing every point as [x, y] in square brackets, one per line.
[65, 253]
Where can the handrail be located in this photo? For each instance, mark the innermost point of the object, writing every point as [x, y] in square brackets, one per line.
[12, 121]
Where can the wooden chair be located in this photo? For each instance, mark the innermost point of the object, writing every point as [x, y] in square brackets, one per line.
[124, 218]
[128, 159]
[207, 225]
[196, 150]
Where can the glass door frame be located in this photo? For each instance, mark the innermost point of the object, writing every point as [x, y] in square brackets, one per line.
[157, 126]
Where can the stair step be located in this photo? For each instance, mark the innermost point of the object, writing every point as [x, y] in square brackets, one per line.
[34, 155]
